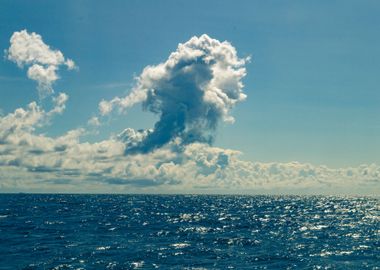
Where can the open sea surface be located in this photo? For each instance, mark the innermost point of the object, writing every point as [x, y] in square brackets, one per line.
[188, 232]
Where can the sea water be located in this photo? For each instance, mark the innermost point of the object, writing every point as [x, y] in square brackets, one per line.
[188, 232]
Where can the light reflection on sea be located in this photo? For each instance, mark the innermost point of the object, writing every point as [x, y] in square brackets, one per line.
[188, 232]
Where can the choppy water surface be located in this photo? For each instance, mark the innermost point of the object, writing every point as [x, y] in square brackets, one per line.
[188, 232]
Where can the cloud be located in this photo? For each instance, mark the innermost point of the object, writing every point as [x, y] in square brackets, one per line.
[59, 103]
[28, 49]
[33, 161]
[28, 160]
[94, 121]
[44, 77]
[18, 127]
[192, 91]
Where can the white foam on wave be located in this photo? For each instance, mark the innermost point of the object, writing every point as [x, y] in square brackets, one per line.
[180, 245]
[136, 265]
[103, 248]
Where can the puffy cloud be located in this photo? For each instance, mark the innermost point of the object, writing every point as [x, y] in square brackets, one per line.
[94, 121]
[28, 49]
[16, 127]
[70, 64]
[192, 91]
[31, 161]
[137, 95]
[45, 163]
[44, 77]
[59, 103]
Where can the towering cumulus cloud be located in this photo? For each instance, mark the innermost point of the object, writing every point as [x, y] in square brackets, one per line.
[191, 92]
[43, 62]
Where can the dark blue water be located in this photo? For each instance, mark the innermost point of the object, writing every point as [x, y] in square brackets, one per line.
[188, 232]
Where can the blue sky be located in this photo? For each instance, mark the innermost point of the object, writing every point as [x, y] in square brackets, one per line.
[312, 83]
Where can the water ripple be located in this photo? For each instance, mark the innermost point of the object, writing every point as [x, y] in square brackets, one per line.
[188, 232]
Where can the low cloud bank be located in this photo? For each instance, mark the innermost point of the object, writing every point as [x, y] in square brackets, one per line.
[30, 161]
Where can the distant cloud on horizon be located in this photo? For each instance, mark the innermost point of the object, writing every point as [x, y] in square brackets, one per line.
[172, 157]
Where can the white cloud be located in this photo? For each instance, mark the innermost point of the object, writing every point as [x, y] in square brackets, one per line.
[94, 121]
[216, 60]
[105, 107]
[31, 161]
[70, 64]
[192, 91]
[44, 77]
[19, 125]
[28, 49]
[27, 158]
[59, 104]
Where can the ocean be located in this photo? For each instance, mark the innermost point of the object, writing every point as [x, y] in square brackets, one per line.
[42, 231]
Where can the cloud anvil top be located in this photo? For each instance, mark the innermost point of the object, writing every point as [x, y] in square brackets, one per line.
[192, 92]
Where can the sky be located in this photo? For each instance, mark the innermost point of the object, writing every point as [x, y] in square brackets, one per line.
[262, 97]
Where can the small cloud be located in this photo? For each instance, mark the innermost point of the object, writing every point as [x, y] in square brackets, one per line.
[94, 121]
[16, 127]
[70, 64]
[59, 104]
[28, 49]
[105, 107]
[44, 76]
